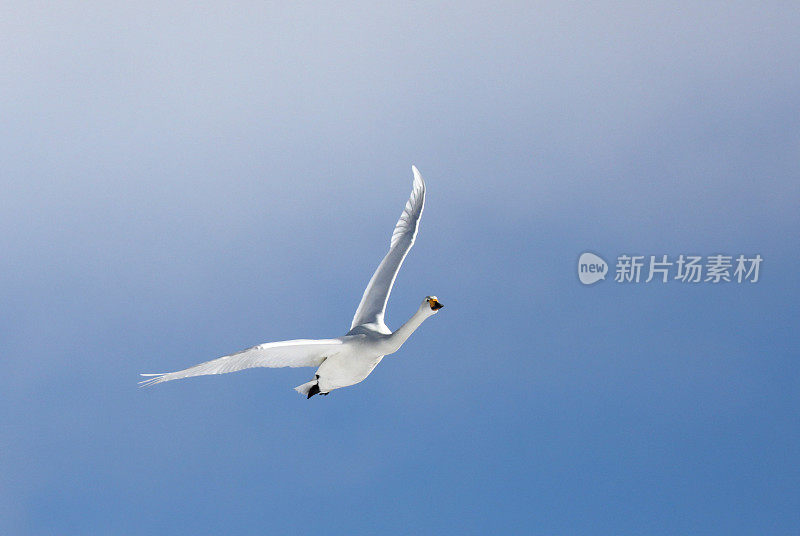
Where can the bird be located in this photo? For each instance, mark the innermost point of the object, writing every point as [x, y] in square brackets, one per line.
[347, 360]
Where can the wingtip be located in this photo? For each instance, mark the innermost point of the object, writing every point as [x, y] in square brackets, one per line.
[151, 379]
[417, 175]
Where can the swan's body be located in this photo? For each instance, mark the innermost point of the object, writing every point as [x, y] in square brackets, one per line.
[347, 360]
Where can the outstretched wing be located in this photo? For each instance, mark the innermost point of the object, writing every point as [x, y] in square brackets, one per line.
[373, 303]
[296, 353]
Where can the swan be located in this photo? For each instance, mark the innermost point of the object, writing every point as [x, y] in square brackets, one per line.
[346, 360]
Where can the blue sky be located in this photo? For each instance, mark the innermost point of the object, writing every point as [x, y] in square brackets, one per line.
[181, 182]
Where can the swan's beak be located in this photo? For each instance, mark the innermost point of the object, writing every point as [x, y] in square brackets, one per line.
[436, 305]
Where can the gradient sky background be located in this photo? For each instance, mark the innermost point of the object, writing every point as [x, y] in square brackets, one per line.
[182, 181]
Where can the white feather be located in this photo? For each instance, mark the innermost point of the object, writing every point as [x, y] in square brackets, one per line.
[372, 308]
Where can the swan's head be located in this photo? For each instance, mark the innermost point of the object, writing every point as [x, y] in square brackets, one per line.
[433, 303]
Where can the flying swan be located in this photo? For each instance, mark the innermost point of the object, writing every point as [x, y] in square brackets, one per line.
[347, 360]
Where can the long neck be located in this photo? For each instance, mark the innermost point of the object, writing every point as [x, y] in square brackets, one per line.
[402, 333]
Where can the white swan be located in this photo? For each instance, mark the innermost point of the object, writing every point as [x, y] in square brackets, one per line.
[345, 360]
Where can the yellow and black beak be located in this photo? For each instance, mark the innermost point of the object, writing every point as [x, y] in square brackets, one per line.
[435, 305]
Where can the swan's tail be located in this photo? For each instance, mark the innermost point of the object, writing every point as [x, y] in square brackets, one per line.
[306, 388]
